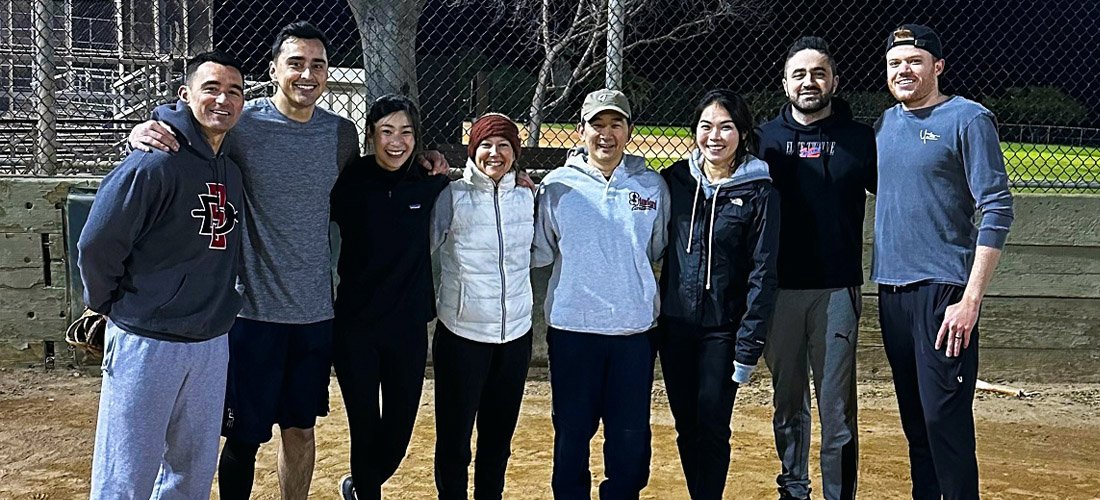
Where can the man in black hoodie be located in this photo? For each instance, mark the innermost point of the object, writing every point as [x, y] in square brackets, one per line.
[159, 258]
[822, 162]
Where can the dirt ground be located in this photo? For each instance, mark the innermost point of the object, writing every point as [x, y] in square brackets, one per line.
[1044, 447]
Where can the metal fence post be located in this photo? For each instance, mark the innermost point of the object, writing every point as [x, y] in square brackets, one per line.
[45, 158]
[615, 34]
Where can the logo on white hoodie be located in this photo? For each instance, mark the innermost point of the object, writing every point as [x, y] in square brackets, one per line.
[639, 203]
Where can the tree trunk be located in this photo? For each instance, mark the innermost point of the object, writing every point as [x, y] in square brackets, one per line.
[538, 100]
[387, 30]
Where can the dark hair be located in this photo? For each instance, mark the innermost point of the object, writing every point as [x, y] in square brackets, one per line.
[392, 103]
[739, 112]
[810, 43]
[213, 56]
[297, 29]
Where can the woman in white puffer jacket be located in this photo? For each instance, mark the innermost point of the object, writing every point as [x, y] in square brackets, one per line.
[482, 226]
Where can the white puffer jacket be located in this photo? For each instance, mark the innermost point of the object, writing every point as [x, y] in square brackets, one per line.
[484, 232]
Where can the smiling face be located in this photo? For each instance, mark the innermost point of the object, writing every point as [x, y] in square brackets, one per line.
[215, 95]
[808, 81]
[717, 136]
[494, 157]
[912, 76]
[394, 140]
[300, 72]
[605, 136]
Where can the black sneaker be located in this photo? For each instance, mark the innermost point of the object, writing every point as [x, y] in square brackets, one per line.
[783, 495]
[347, 488]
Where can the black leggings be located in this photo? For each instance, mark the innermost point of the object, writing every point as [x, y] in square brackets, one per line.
[483, 382]
[369, 357]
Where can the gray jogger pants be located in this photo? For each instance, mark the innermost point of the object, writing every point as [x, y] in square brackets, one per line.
[815, 331]
[160, 413]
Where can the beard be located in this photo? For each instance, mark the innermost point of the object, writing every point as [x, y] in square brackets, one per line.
[813, 106]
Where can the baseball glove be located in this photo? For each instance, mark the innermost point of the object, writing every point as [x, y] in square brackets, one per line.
[88, 332]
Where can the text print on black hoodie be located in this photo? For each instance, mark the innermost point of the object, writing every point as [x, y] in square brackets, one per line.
[160, 250]
[822, 171]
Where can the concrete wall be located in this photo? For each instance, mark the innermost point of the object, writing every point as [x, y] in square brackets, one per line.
[1040, 321]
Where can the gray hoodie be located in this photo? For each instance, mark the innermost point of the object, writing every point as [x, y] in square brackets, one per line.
[602, 236]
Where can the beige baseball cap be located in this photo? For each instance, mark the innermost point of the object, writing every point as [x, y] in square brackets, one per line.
[604, 100]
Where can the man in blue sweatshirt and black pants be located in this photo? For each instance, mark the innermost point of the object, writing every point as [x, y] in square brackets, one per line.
[159, 258]
[601, 220]
[939, 161]
[822, 162]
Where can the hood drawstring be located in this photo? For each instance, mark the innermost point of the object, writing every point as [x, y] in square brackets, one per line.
[710, 231]
[694, 205]
[710, 240]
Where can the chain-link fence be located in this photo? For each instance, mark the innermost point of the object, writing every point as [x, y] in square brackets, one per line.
[76, 75]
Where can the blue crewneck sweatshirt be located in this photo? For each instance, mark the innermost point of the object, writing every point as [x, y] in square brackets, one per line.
[938, 167]
[160, 250]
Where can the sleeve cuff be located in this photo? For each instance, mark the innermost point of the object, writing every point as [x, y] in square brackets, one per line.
[742, 372]
[993, 238]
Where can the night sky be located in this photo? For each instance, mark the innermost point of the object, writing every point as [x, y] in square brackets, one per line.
[990, 45]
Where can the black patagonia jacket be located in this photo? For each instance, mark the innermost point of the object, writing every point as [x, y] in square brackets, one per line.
[719, 270]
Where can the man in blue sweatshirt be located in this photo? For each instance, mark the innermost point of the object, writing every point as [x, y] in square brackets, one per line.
[159, 257]
[601, 220]
[939, 162]
[822, 162]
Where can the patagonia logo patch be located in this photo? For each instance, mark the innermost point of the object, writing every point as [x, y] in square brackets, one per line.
[414, 206]
[737, 201]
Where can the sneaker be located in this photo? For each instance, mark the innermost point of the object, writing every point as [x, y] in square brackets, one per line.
[347, 488]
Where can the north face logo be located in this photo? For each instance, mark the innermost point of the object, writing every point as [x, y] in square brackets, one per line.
[218, 216]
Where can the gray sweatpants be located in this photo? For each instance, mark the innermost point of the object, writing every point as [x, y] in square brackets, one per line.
[815, 331]
[160, 413]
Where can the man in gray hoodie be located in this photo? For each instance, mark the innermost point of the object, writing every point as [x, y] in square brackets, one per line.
[601, 220]
[159, 257]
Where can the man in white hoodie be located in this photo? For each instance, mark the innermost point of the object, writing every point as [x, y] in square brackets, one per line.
[601, 221]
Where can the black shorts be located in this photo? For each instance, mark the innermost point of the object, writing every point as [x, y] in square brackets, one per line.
[278, 374]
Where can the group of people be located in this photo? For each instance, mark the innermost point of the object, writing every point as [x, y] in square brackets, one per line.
[223, 317]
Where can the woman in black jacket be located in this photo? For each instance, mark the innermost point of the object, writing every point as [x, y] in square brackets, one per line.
[383, 204]
[718, 283]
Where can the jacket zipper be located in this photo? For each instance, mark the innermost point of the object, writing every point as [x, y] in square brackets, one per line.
[500, 262]
[701, 269]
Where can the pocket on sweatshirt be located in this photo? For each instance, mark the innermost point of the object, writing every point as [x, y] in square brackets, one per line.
[184, 301]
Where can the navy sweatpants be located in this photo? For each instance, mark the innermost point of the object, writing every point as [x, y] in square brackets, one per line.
[597, 377]
[935, 392]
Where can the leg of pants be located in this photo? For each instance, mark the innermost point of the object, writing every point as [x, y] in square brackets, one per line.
[679, 351]
[159, 417]
[461, 367]
[389, 358]
[833, 360]
[935, 393]
[701, 368]
[787, 356]
[498, 414]
[236, 468]
[577, 385]
[626, 405]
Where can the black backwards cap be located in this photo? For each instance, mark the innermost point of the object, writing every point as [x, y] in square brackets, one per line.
[917, 35]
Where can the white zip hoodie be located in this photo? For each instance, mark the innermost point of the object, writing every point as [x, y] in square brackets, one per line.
[602, 236]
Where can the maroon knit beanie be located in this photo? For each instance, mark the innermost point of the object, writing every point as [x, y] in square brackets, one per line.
[493, 124]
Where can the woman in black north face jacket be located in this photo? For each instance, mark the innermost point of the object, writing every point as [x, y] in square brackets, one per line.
[718, 283]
